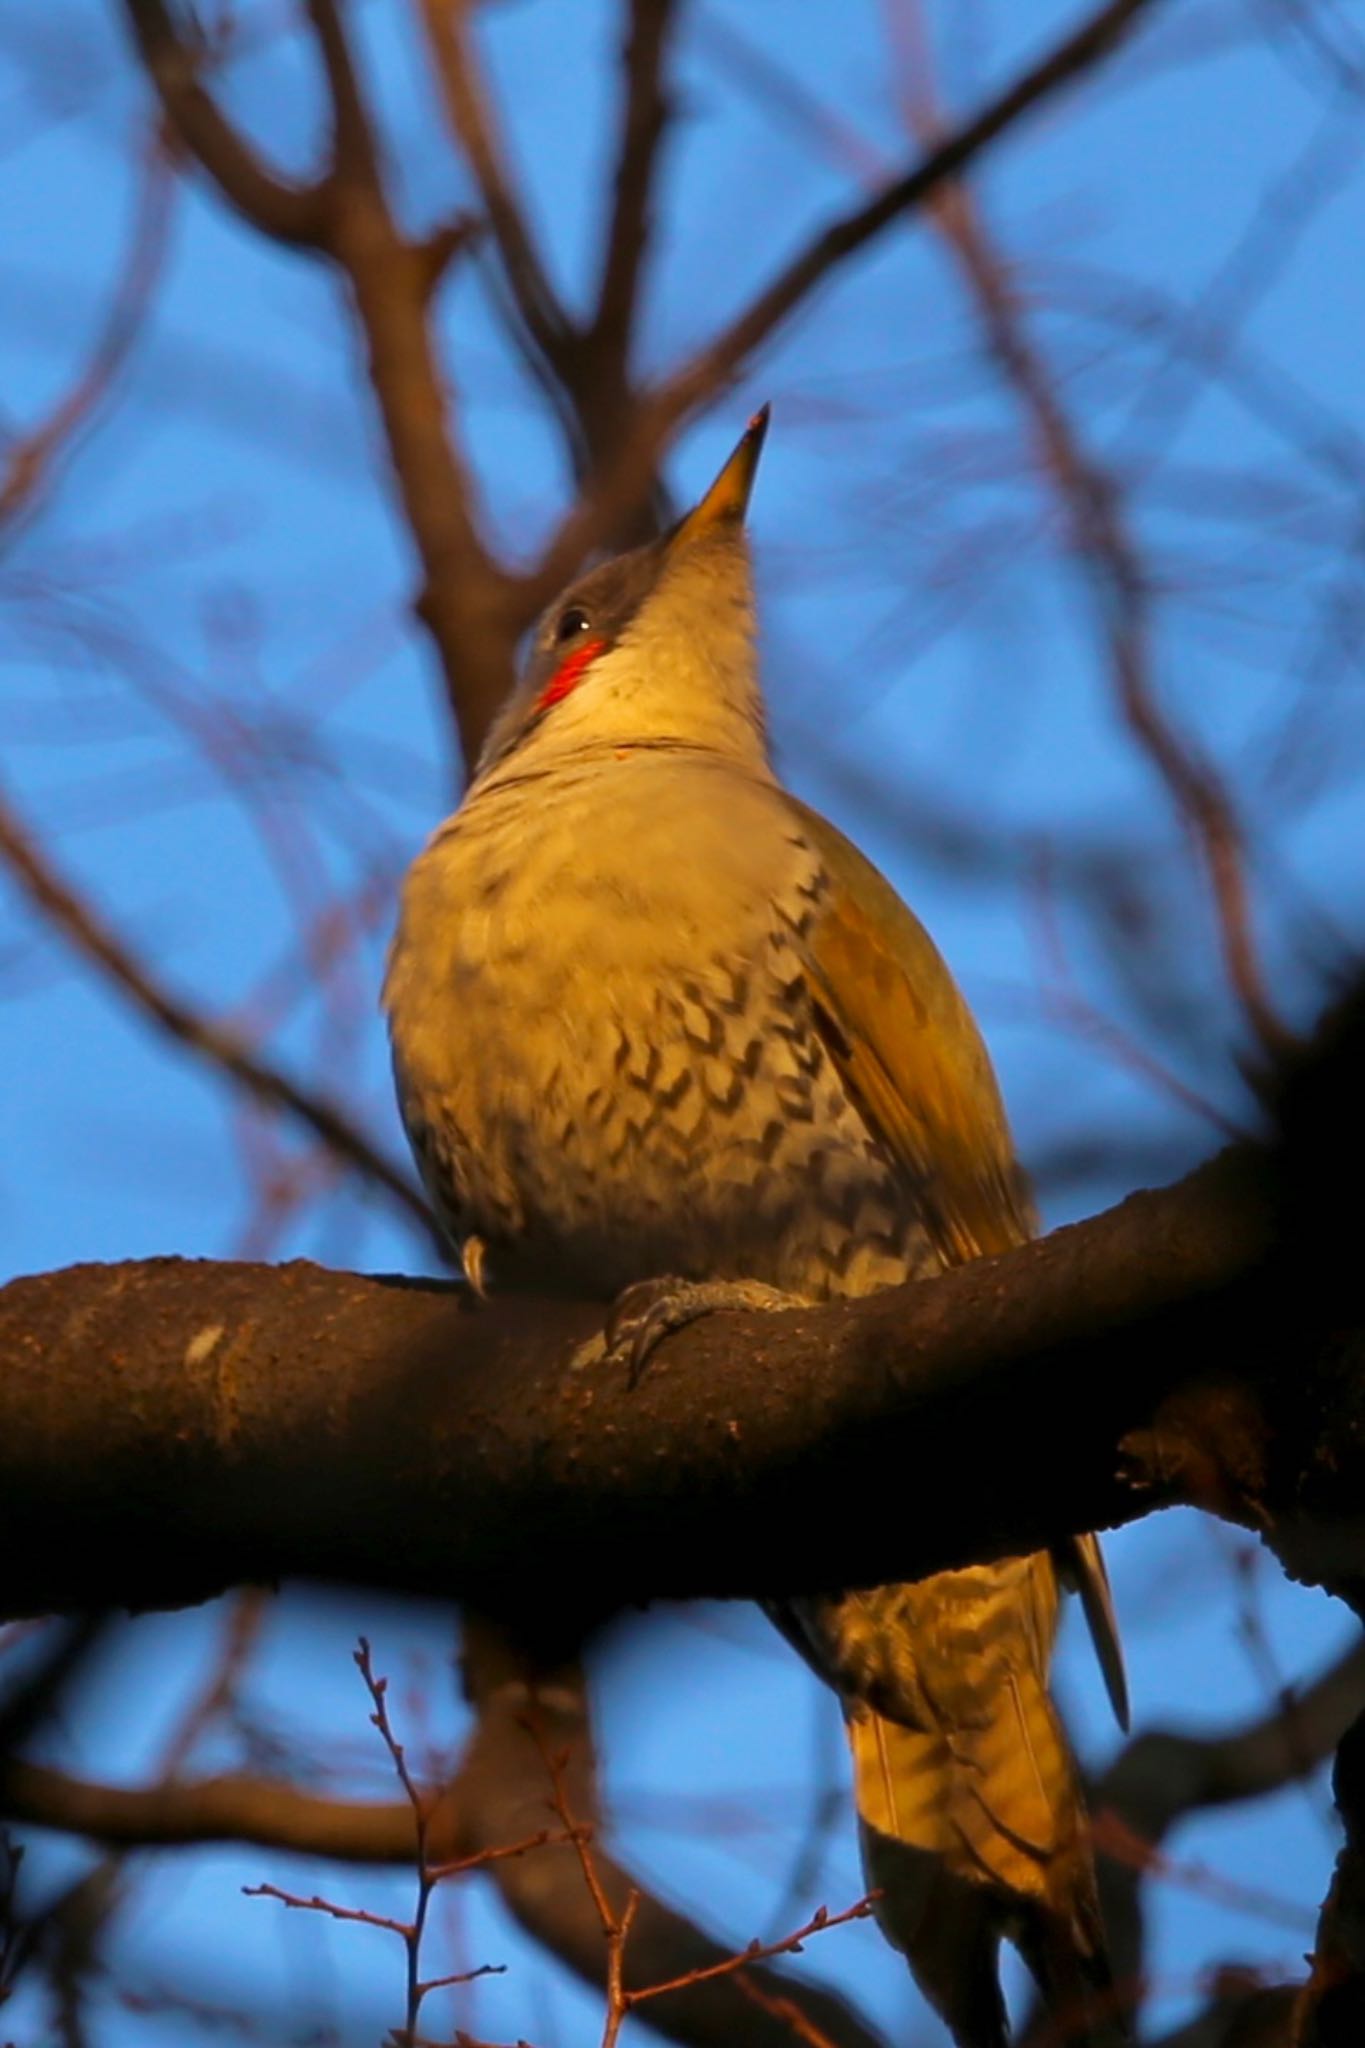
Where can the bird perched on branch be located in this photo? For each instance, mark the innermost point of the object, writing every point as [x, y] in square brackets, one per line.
[659, 1028]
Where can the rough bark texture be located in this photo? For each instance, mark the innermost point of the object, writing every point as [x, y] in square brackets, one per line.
[168, 1427]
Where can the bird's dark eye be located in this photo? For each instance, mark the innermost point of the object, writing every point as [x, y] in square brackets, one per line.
[571, 623]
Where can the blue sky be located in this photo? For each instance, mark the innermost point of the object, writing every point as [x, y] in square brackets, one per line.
[216, 713]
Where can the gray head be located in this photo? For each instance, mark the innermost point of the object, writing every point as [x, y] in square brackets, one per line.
[655, 646]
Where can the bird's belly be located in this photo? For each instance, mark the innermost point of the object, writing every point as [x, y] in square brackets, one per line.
[600, 1117]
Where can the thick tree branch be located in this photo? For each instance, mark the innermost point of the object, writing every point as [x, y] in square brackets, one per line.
[1332, 2011]
[295, 1421]
[307, 1422]
[499, 1798]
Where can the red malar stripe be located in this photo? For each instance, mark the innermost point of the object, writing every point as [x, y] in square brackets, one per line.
[569, 674]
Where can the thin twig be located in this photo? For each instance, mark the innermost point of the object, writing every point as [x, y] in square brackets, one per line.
[361, 1915]
[624, 478]
[33, 455]
[616, 1926]
[83, 927]
[469, 107]
[354, 155]
[478, 1859]
[944, 159]
[821, 1920]
[1112, 1838]
[1104, 547]
[410, 1932]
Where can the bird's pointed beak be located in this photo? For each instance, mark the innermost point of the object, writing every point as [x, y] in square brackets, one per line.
[728, 498]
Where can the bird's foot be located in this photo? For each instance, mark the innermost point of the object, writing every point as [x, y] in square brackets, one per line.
[643, 1315]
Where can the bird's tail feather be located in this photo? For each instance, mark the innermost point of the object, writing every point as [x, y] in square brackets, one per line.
[979, 1834]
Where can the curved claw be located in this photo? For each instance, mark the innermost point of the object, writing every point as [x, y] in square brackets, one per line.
[639, 1321]
[644, 1314]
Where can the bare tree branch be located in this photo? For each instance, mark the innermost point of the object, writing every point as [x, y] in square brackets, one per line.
[70, 1933]
[463, 602]
[297, 1422]
[473, 609]
[624, 479]
[1099, 533]
[465, 599]
[285, 212]
[505, 1789]
[269, 1812]
[1104, 545]
[82, 927]
[354, 156]
[28, 1704]
[1076, 54]
[1161, 1777]
[644, 116]
[31, 457]
[469, 106]
[1331, 2013]
[495, 1817]
[279, 1417]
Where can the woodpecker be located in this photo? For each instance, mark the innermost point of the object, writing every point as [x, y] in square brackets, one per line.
[661, 1034]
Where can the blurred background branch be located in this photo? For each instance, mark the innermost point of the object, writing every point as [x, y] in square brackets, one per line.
[542, 246]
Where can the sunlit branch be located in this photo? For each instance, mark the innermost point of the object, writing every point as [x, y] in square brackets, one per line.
[487, 1454]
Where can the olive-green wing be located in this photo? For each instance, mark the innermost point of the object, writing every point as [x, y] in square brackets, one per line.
[910, 1054]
